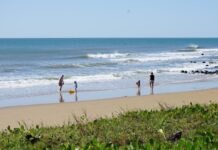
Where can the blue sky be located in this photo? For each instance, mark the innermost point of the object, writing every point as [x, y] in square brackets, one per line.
[108, 18]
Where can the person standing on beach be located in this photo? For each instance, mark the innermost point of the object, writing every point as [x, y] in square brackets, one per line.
[152, 78]
[61, 82]
[75, 86]
[138, 83]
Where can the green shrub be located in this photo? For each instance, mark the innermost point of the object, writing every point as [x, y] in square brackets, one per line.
[147, 130]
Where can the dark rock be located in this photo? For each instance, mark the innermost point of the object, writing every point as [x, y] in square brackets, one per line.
[203, 71]
[207, 65]
[175, 137]
[203, 62]
[202, 54]
[184, 71]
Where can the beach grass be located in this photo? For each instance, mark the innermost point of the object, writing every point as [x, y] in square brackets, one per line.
[198, 125]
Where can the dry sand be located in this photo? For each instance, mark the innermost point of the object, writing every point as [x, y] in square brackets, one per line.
[62, 113]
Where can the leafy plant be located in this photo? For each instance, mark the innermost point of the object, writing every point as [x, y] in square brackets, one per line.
[149, 130]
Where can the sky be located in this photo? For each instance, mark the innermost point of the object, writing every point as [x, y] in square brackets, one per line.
[108, 18]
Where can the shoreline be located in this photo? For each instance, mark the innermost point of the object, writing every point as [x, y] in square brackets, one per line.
[86, 96]
[63, 113]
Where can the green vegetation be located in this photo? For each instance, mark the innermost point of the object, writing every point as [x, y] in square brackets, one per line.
[132, 130]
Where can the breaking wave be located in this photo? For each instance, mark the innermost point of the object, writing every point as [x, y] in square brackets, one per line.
[109, 55]
[28, 82]
[63, 66]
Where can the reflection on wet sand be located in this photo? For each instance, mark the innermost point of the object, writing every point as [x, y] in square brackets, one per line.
[61, 99]
[138, 92]
[152, 91]
[76, 97]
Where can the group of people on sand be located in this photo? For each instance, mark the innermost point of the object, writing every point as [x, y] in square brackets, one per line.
[61, 83]
[138, 83]
[151, 83]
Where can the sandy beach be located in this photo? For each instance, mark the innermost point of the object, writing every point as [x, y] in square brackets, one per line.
[62, 113]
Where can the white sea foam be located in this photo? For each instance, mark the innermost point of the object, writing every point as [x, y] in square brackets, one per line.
[109, 55]
[93, 78]
[213, 50]
[158, 57]
[21, 83]
[82, 65]
[150, 57]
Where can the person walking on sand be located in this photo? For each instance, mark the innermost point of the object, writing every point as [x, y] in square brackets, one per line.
[61, 82]
[152, 78]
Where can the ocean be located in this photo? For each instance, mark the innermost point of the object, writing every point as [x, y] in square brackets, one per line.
[103, 67]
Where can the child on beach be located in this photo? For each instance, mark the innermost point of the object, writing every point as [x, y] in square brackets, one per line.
[138, 83]
[61, 82]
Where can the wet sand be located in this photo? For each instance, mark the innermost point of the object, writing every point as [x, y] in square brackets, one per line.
[63, 113]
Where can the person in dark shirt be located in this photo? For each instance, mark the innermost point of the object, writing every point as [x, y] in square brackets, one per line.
[61, 82]
[75, 86]
[152, 78]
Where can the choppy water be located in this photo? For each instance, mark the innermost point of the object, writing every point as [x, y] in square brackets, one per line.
[32, 67]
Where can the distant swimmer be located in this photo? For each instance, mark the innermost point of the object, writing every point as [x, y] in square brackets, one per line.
[152, 78]
[61, 82]
[75, 86]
